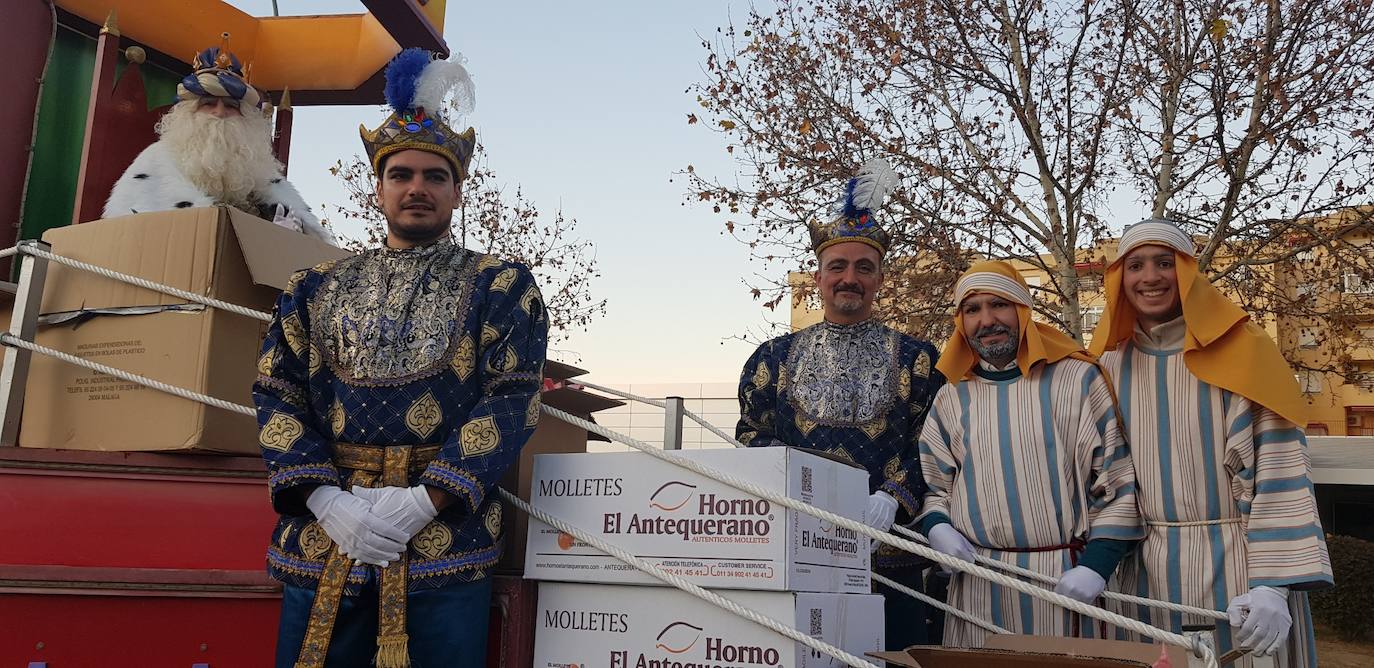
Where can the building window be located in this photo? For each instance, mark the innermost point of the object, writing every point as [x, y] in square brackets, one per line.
[1359, 421]
[1356, 285]
[1090, 282]
[1091, 316]
[1307, 338]
[1309, 381]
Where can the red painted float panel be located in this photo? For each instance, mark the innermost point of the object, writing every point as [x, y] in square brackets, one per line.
[138, 559]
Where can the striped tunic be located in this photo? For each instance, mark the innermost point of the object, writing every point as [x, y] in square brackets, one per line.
[1031, 463]
[1225, 493]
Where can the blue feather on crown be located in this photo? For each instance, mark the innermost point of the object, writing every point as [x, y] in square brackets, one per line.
[850, 209]
[401, 76]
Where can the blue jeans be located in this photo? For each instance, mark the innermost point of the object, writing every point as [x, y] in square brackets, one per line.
[447, 626]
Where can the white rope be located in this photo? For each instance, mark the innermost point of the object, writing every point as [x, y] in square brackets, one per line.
[722, 602]
[1164, 636]
[145, 283]
[982, 560]
[9, 252]
[1198, 648]
[948, 609]
[13, 341]
[619, 393]
[684, 585]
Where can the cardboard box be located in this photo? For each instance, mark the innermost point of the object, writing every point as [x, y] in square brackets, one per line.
[551, 436]
[625, 627]
[704, 530]
[1023, 651]
[217, 252]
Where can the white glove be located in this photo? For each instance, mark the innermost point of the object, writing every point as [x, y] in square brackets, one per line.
[1081, 583]
[287, 219]
[350, 522]
[406, 508]
[882, 511]
[945, 538]
[1260, 619]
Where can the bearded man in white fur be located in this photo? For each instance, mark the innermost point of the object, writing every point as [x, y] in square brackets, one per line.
[214, 147]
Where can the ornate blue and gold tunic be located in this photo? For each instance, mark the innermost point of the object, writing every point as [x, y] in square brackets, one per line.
[436, 345]
[860, 392]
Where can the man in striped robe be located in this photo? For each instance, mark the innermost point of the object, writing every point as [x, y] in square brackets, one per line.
[1025, 461]
[1212, 411]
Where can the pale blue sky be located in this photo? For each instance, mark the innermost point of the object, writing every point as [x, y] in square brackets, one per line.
[584, 105]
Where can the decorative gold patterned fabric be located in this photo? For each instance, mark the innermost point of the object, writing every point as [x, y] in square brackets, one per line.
[387, 353]
[390, 317]
[860, 392]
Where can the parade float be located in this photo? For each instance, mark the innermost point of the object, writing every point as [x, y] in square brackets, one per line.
[134, 507]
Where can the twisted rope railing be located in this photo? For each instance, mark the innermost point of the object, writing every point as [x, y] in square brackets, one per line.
[1041, 578]
[1198, 647]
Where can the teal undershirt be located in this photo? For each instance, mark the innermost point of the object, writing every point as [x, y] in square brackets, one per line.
[995, 376]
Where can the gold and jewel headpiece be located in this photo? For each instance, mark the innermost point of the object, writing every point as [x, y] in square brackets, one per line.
[852, 218]
[417, 87]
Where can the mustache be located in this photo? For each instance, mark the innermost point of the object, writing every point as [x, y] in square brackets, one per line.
[990, 330]
[850, 287]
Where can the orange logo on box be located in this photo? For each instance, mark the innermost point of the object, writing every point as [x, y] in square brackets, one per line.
[565, 542]
[673, 489]
[681, 634]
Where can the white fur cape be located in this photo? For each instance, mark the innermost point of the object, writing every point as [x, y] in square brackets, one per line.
[154, 183]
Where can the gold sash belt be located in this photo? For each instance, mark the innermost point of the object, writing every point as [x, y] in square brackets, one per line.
[372, 466]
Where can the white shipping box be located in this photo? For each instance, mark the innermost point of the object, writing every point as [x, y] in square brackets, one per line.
[586, 625]
[704, 530]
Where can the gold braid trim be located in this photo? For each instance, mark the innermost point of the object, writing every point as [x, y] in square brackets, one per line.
[392, 642]
[325, 610]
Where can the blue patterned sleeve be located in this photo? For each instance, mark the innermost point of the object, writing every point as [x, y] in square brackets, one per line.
[758, 398]
[295, 452]
[905, 482]
[510, 365]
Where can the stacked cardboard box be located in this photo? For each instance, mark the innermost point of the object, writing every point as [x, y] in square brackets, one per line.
[216, 252]
[796, 568]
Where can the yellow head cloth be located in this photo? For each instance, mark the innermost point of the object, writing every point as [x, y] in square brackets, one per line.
[1222, 347]
[1039, 342]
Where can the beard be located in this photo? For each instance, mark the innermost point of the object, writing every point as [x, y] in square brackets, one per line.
[848, 302]
[997, 353]
[225, 157]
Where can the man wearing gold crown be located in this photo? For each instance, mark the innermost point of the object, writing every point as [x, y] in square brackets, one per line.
[1025, 461]
[1225, 481]
[214, 147]
[852, 386]
[395, 389]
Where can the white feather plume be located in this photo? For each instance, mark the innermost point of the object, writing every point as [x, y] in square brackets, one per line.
[445, 87]
[875, 182]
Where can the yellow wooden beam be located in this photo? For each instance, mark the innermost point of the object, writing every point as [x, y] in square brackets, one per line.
[306, 53]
